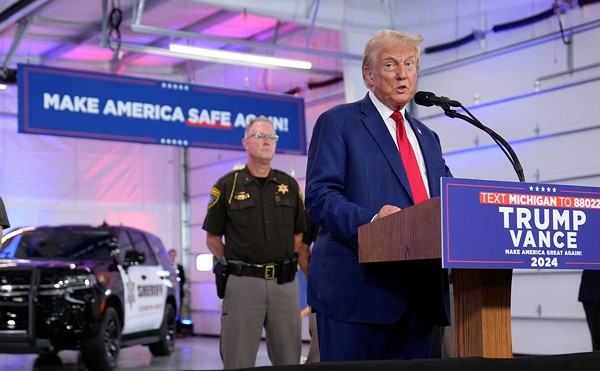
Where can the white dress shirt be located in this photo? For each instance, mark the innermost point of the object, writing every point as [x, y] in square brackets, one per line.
[385, 113]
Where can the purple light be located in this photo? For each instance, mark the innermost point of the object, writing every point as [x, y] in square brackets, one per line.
[241, 26]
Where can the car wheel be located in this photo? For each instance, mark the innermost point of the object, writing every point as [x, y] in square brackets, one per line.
[101, 352]
[166, 344]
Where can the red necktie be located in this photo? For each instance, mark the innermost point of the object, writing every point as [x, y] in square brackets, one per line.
[410, 160]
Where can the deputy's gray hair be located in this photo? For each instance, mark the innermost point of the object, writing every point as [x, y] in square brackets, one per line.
[254, 121]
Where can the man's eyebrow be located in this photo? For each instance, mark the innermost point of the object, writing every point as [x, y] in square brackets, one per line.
[390, 57]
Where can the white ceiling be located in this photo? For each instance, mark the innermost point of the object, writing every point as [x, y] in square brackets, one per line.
[69, 33]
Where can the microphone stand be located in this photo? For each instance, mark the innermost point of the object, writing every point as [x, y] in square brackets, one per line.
[503, 144]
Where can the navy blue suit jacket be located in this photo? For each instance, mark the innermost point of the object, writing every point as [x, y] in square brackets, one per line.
[354, 168]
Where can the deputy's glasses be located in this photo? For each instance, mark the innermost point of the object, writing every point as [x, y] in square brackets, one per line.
[259, 135]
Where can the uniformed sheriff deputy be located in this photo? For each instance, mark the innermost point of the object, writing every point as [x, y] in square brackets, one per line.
[260, 213]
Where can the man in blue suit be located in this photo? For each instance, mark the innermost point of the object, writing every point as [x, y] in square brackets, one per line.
[356, 174]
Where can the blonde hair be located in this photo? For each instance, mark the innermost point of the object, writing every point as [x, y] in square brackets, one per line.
[383, 38]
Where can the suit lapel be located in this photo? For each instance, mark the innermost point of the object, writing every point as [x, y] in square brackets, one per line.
[375, 125]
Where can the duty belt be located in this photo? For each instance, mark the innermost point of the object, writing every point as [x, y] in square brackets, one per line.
[267, 271]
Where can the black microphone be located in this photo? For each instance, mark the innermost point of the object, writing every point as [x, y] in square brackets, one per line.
[428, 99]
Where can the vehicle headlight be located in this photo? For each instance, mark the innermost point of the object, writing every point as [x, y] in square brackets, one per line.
[68, 283]
[78, 281]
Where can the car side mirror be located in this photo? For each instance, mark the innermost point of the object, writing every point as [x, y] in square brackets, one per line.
[133, 257]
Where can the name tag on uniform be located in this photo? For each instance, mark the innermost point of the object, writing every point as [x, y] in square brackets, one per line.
[241, 196]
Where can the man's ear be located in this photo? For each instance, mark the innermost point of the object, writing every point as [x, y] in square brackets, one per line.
[245, 143]
[367, 76]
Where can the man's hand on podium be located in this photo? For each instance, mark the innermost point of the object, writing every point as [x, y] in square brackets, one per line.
[386, 210]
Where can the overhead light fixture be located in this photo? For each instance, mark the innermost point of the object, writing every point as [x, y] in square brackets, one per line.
[244, 59]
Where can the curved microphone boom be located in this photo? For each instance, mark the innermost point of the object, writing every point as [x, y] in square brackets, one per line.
[428, 99]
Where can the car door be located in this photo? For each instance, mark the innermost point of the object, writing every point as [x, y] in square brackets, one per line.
[145, 294]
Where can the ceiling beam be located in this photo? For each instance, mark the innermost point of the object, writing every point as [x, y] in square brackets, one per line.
[23, 23]
[268, 35]
[167, 53]
[18, 11]
[251, 44]
[198, 26]
[89, 35]
[341, 15]
[137, 26]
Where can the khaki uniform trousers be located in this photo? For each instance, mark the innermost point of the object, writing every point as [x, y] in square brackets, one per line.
[313, 349]
[250, 304]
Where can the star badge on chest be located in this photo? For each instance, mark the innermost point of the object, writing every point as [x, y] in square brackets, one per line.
[283, 189]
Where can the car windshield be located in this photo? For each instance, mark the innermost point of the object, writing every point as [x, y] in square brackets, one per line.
[61, 243]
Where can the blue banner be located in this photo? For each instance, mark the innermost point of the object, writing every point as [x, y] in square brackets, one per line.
[101, 106]
[490, 224]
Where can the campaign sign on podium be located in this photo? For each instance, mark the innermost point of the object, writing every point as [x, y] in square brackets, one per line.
[510, 225]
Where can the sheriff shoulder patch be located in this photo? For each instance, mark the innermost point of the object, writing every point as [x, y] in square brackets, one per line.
[215, 194]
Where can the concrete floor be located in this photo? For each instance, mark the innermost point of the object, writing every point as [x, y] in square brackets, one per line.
[191, 353]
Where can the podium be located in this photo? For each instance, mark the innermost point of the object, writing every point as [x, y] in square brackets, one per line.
[481, 310]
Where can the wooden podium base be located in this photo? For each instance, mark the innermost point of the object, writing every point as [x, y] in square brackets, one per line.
[482, 326]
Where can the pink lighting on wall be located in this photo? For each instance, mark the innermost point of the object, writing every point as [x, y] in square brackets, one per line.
[89, 53]
[241, 26]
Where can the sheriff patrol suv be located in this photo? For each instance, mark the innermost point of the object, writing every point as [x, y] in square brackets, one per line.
[94, 289]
